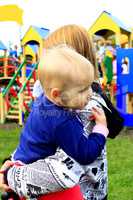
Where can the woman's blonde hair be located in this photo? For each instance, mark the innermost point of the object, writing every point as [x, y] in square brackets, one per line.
[76, 37]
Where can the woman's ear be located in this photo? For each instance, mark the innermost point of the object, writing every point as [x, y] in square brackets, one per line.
[55, 93]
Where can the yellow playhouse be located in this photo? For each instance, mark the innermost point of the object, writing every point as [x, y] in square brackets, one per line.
[32, 42]
[107, 25]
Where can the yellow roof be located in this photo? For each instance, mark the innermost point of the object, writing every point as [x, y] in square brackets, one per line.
[108, 22]
[35, 34]
[31, 35]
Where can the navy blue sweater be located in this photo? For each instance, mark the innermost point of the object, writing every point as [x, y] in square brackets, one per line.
[48, 127]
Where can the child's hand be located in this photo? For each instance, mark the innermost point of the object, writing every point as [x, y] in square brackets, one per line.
[99, 116]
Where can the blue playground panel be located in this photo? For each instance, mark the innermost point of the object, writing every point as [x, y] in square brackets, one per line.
[125, 84]
[29, 68]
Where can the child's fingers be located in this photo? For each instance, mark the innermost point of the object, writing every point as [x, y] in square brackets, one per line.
[97, 112]
[92, 117]
[99, 116]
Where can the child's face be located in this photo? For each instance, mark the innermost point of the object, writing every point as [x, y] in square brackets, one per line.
[77, 97]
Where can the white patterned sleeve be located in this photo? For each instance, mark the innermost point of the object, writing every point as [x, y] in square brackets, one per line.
[41, 177]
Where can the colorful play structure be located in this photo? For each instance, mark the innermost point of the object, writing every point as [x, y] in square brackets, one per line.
[32, 42]
[108, 26]
[17, 79]
[125, 88]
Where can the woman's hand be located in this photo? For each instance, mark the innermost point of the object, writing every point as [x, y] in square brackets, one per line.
[3, 186]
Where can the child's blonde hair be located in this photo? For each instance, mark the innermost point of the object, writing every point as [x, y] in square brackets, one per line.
[78, 38]
[62, 67]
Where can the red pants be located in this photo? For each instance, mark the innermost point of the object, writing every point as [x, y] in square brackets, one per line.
[72, 194]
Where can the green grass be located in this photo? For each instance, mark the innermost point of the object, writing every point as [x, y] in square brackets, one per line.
[8, 141]
[120, 161]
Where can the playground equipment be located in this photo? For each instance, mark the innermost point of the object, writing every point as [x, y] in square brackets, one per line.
[32, 42]
[16, 98]
[108, 28]
[124, 82]
[120, 89]
[107, 25]
[17, 79]
[7, 67]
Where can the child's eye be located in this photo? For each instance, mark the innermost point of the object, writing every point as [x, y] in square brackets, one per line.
[83, 90]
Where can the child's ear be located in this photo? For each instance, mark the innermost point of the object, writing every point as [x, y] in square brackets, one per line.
[55, 92]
